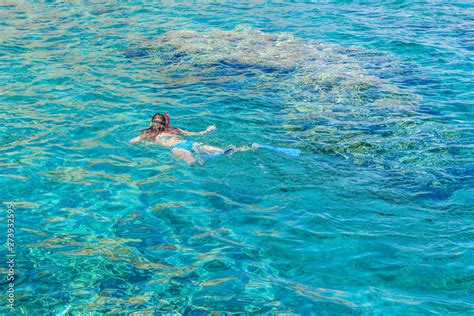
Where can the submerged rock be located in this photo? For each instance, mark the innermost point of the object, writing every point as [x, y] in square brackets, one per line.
[302, 69]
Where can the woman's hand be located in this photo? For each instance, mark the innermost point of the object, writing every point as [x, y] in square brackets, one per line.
[136, 139]
[211, 128]
[208, 129]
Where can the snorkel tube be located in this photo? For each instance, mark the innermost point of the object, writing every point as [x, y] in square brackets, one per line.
[168, 120]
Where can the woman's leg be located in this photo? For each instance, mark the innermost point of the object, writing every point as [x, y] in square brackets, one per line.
[243, 148]
[209, 149]
[215, 150]
[185, 155]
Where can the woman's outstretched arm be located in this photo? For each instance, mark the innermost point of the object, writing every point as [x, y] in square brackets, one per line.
[186, 133]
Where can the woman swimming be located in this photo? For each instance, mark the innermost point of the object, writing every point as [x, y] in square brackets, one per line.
[163, 134]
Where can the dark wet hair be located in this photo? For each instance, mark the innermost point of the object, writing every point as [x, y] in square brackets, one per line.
[158, 124]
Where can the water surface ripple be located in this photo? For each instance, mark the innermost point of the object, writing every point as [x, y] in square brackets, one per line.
[375, 217]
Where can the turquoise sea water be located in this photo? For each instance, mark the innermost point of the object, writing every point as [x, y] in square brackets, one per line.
[375, 217]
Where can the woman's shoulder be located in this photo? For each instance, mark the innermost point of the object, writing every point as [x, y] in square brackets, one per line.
[172, 130]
